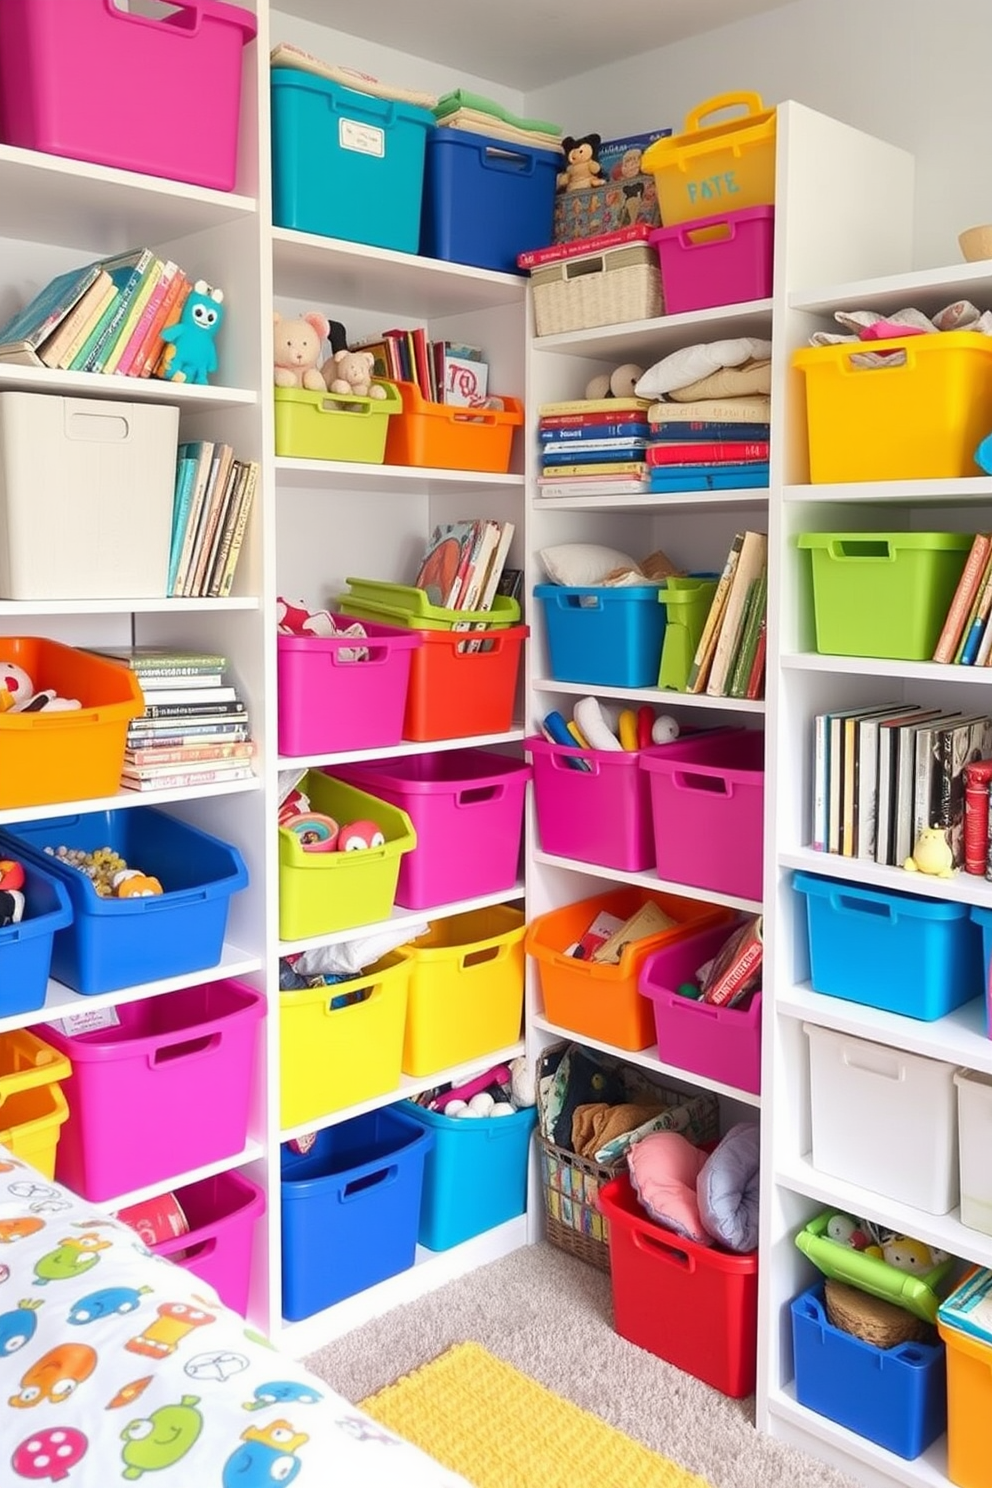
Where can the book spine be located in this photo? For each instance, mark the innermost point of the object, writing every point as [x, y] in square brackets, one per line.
[96, 361]
[142, 294]
[187, 754]
[160, 288]
[740, 973]
[193, 710]
[180, 778]
[170, 312]
[714, 452]
[238, 535]
[699, 670]
[963, 596]
[819, 842]
[756, 681]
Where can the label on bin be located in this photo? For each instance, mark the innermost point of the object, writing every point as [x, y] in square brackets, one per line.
[86, 1022]
[365, 138]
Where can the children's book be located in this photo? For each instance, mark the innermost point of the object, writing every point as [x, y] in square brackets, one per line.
[129, 321]
[704, 433]
[608, 422]
[445, 562]
[169, 312]
[464, 379]
[186, 470]
[614, 467]
[239, 519]
[751, 408]
[957, 613]
[903, 782]
[178, 778]
[30, 327]
[964, 742]
[752, 562]
[189, 754]
[709, 477]
[605, 452]
[708, 452]
[744, 659]
[127, 272]
[203, 451]
[164, 273]
[555, 490]
[700, 669]
[867, 729]
[594, 436]
[221, 463]
[62, 345]
[163, 661]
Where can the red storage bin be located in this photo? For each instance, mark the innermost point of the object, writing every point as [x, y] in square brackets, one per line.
[721, 260]
[329, 702]
[599, 815]
[456, 692]
[221, 1211]
[694, 1305]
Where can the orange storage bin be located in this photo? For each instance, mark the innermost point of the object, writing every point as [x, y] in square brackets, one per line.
[969, 1401]
[455, 691]
[443, 436]
[69, 755]
[597, 999]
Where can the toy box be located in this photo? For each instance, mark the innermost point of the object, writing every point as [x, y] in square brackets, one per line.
[628, 196]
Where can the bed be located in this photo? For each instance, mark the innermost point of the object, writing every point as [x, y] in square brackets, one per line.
[117, 1365]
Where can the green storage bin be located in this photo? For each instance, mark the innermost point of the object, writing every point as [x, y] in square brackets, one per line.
[883, 593]
[334, 426]
[918, 1292]
[688, 603]
[324, 891]
[403, 604]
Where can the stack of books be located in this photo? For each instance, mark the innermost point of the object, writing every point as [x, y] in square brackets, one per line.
[107, 316]
[730, 656]
[711, 444]
[463, 564]
[194, 730]
[213, 498]
[966, 635]
[593, 447]
[443, 371]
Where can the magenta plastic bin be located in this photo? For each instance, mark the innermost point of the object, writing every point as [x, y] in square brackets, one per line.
[723, 1043]
[330, 702]
[600, 815]
[707, 804]
[467, 808]
[723, 260]
[164, 1090]
[222, 1211]
[157, 93]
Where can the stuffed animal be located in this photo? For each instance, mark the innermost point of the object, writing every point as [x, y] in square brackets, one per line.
[191, 351]
[351, 372]
[932, 854]
[619, 383]
[18, 695]
[582, 169]
[296, 350]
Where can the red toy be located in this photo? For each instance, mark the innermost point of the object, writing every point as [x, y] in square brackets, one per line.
[11, 898]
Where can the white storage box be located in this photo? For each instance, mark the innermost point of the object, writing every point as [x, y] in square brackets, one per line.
[86, 492]
[975, 1145]
[884, 1119]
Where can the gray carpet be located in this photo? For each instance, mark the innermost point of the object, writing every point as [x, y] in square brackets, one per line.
[550, 1315]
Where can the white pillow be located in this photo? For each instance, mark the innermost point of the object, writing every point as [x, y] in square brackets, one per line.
[579, 564]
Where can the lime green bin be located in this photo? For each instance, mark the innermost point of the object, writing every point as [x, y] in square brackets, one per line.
[688, 603]
[334, 426]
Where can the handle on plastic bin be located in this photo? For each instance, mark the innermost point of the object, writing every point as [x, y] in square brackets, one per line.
[583, 601]
[844, 903]
[849, 367]
[751, 103]
[507, 160]
[471, 416]
[57, 719]
[183, 1046]
[705, 237]
[881, 1063]
[713, 785]
[329, 405]
[198, 1251]
[153, 902]
[474, 795]
[378, 1178]
[181, 16]
[482, 955]
[655, 1245]
[861, 550]
[568, 758]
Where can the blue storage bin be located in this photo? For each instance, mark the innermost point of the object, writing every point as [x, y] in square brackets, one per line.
[486, 199]
[350, 1208]
[475, 1176]
[890, 950]
[606, 637]
[896, 1397]
[983, 919]
[113, 943]
[345, 164]
[26, 948]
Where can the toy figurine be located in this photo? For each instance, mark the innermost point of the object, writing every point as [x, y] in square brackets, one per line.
[193, 354]
[932, 854]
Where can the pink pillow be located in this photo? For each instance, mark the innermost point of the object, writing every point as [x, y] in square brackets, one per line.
[663, 1169]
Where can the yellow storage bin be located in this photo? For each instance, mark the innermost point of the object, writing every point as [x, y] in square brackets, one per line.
[466, 991]
[334, 1056]
[32, 1106]
[334, 426]
[921, 419]
[715, 167]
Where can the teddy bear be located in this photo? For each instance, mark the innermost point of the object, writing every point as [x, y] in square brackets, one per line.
[619, 383]
[296, 350]
[351, 372]
[582, 169]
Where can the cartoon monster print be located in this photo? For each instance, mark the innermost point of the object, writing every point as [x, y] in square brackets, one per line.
[161, 1439]
[71, 1258]
[49, 1453]
[282, 1392]
[56, 1375]
[220, 1366]
[19, 1326]
[104, 1303]
[193, 349]
[173, 1321]
[266, 1456]
[19, 1229]
[362, 1430]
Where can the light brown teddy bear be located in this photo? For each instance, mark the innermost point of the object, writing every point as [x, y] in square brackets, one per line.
[582, 169]
[351, 372]
[296, 350]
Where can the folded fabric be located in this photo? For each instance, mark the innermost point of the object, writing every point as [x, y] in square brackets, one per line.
[690, 364]
[727, 382]
[597, 1123]
[664, 1169]
[727, 1189]
[287, 55]
[473, 122]
[461, 99]
[869, 325]
[755, 408]
[578, 1079]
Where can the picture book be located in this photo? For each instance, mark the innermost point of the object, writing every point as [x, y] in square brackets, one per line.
[129, 321]
[168, 314]
[60, 347]
[707, 452]
[754, 616]
[700, 669]
[964, 742]
[127, 272]
[445, 562]
[164, 273]
[203, 452]
[960, 605]
[42, 315]
[221, 465]
[736, 969]
[464, 375]
[237, 519]
[751, 563]
[605, 451]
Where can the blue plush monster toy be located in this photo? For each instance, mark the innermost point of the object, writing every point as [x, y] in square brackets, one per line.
[194, 353]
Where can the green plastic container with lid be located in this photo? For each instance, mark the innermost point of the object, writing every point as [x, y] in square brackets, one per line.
[918, 1292]
[883, 594]
[687, 601]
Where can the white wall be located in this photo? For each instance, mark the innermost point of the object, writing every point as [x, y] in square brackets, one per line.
[913, 72]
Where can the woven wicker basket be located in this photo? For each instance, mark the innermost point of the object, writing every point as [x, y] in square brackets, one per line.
[608, 288]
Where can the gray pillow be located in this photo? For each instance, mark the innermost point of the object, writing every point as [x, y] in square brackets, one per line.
[727, 1189]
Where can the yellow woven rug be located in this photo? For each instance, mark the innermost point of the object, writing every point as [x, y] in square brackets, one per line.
[500, 1429]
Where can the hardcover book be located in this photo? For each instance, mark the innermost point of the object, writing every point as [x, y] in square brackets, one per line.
[45, 312]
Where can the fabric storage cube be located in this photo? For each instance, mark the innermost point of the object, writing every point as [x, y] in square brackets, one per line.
[330, 701]
[900, 952]
[26, 948]
[445, 436]
[69, 470]
[920, 418]
[599, 814]
[883, 593]
[694, 1305]
[334, 426]
[50, 54]
[485, 199]
[324, 891]
[341, 1044]
[896, 1397]
[716, 260]
[601, 1000]
[367, 154]
[707, 803]
[708, 166]
[466, 989]
[974, 1089]
[884, 1119]
[723, 1043]
[350, 1209]
[113, 943]
[611, 287]
[475, 1174]
[602, 636]
[222, 1212]
[467, 809]
[162, 1089]
[687, 603]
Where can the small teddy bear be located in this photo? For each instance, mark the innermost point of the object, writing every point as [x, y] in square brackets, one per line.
[296, 350]
[582, 169]
[350, 372]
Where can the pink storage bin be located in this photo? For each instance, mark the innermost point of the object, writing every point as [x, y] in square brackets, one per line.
[722, 260]
[600, 815]
[156, 93]
[707, 805]
[723, 1043]
[467, 808]
[329, 703]
[221, 1211]
[163, 1090]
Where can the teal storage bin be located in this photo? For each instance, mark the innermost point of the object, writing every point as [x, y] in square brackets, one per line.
[345, 164]
[983, 918]
[475, 1174]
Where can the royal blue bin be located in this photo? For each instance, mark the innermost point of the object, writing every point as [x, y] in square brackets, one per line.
[896, 1397]
[475, 1176]
[26, 948]
[345, 164]
[350, 1209]
[604, 637]
[486, 199]
[113, 943]
[890, 950]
